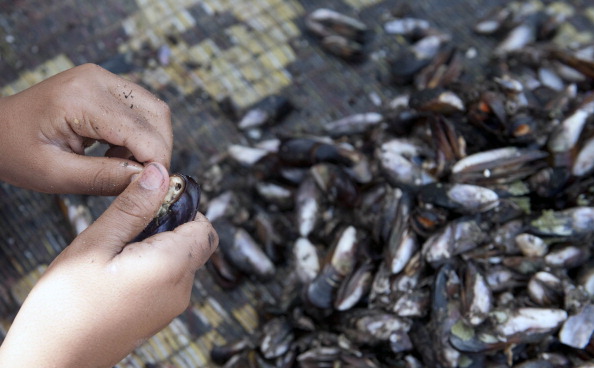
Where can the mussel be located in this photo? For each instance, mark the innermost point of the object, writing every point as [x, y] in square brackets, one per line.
[179, 206]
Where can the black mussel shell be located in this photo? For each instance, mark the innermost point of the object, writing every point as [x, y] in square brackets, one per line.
[182, 210]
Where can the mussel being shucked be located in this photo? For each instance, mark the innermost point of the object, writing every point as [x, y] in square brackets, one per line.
[179, 206]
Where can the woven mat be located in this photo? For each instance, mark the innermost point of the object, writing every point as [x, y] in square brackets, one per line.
[223, 53]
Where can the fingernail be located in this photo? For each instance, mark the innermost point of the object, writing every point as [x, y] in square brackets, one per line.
[151, 177]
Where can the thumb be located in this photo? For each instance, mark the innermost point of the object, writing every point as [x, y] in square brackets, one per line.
[130, 212]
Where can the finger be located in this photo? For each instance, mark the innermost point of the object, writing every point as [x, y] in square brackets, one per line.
[144, 103]
[130, 212]
[149, 140]
[193, 242]
[132, 95]
[74, 173]
[179, 252]
[134, 98]
[124, 114]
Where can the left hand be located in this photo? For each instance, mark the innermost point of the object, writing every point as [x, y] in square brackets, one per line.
[45, 129]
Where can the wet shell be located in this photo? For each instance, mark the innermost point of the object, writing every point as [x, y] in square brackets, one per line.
[406, 26]
[528, 320]
[505, 164]
[568, 133]
[306, 260]
[269, 110]
[584, 162]
[322, 290]
[464, 198]
[354, 288]
[307, 205]
[458, 237]
[571, 222]
[545, 289]
[531, 245]
[447, 222]
[238, 246]
[277, 337]
[400, 161]
[326, 22]
[478, 299]
[578, 329]
[179, 206]
[353, 124]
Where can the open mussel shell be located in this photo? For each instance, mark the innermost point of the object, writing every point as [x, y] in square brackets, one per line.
[179, 206]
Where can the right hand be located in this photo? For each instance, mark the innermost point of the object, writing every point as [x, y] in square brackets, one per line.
[102, 297]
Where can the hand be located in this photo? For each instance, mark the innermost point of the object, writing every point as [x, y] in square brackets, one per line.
[102, 297]
[45, 129]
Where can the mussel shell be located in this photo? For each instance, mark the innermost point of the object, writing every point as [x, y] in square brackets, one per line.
[184, 209]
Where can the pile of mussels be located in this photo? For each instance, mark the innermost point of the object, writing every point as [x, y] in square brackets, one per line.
[451, 229]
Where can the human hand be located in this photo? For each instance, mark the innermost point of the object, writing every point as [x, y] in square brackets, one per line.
[102, 297]
[46, 128]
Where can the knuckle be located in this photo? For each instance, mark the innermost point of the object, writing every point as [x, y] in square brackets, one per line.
[103, 182]
[89, 67]
[163, 108]
[74, 83]
[142, 122]
[94, 69]
[213, 238]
